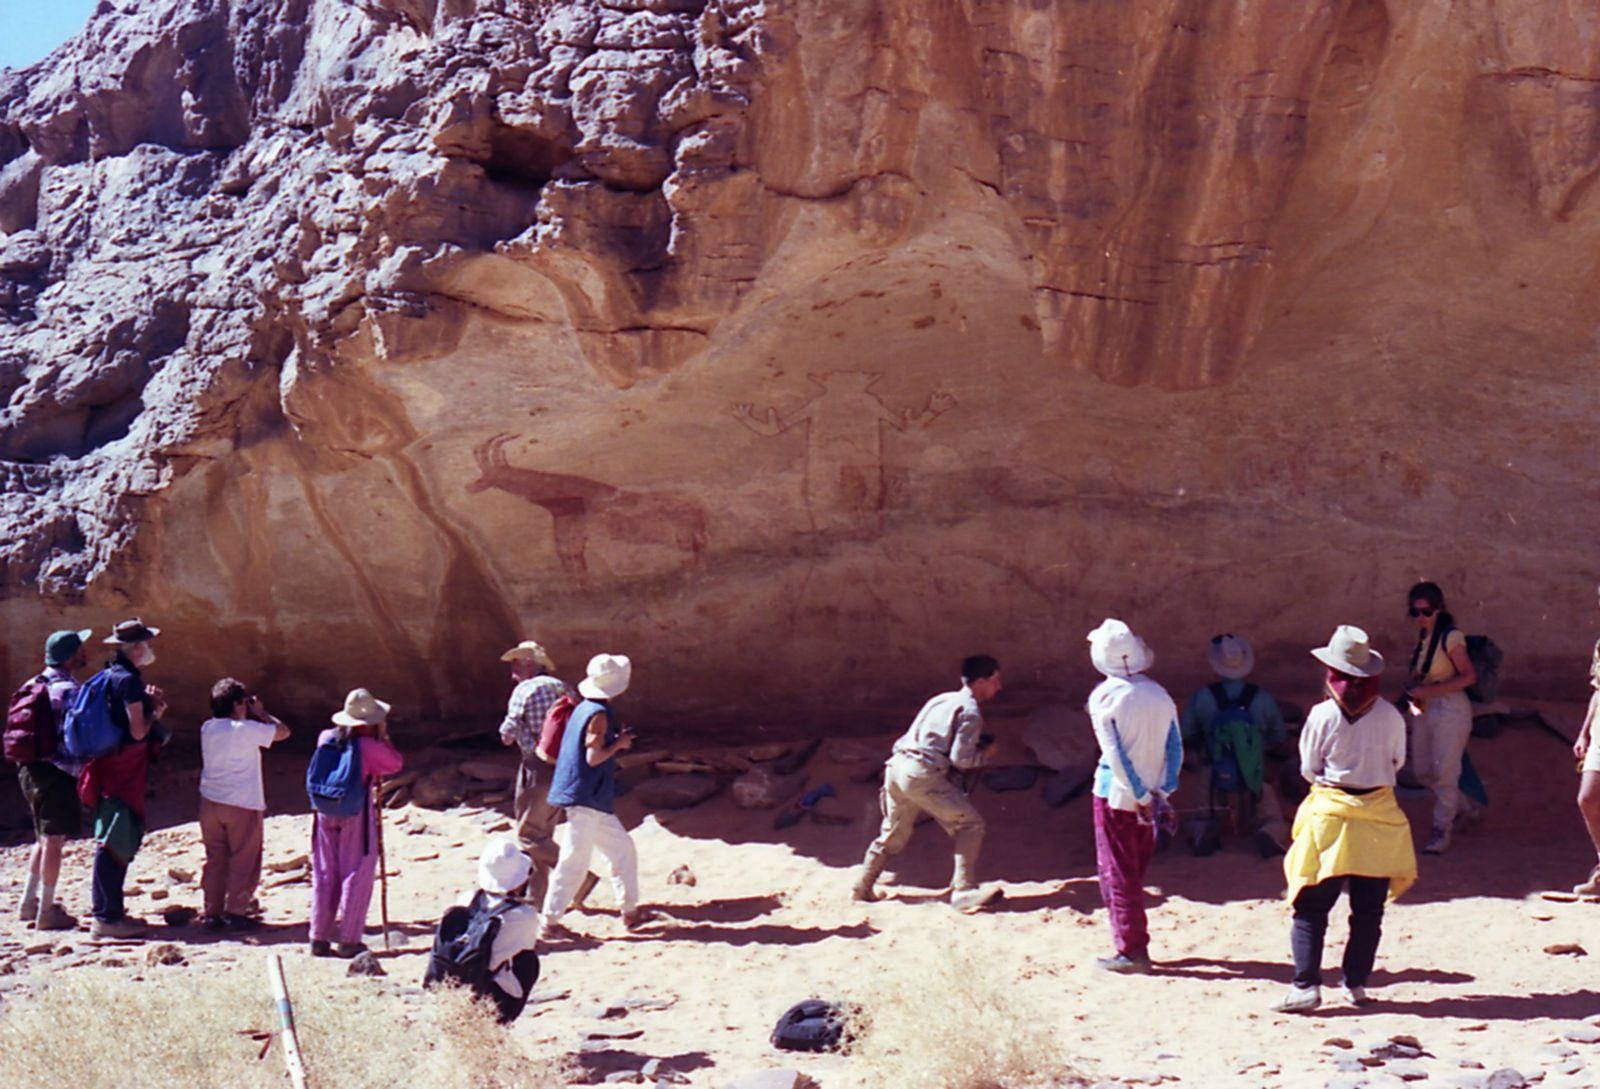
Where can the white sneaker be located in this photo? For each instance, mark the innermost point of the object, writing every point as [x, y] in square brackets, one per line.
[1357, 995]
[1300, 1000]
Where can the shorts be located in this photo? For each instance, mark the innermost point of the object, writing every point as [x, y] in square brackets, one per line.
[52, 797]
[1591, 758]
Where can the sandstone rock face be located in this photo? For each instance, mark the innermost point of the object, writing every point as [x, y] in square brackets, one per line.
[795, 349]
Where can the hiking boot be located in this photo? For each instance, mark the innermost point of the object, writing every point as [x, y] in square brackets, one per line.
[1438, 842]
[1299, 1000]
[29, 910]
[1123, 964]
[973, 900]
[1591, 887]
[349, 950]
[213, 924]
[126, 927]
[241, 924]
[54, 917]
[633, 920]
[320, 948]
[1356, 995]
[556, 931]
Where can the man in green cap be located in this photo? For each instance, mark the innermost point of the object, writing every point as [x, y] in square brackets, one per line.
[50, 786]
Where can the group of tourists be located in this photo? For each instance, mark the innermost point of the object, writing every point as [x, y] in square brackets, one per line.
[88, 747]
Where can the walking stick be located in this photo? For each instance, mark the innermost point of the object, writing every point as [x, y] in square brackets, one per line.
[383, 868]
[291, 1043]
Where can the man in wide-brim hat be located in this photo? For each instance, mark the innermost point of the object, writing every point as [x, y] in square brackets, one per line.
[50, 785]
[536, 692]
[1350, 832]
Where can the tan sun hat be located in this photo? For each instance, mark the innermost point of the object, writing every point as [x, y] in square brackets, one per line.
[608, 676]
[361, 708]
[1230, 656]
[1350, 651]
[531, 649]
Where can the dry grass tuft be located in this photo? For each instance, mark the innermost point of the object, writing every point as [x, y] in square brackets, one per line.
[941, 1018]
[93, 1027]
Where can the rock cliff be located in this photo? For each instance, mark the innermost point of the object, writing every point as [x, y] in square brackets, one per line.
[796, 348]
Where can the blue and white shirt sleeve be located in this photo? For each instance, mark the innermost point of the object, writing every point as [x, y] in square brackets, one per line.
[1169, 781]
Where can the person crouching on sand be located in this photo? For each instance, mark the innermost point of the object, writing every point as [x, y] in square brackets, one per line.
[1141, 752]
[1350, 831]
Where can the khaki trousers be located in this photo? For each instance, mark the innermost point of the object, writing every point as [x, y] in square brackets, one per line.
[232, 839]
[910, 789]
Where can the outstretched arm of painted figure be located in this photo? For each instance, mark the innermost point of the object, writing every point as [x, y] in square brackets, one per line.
[769, 423]
[939, 402]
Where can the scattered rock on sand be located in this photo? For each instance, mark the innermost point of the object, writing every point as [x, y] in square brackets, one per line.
[293, 862]
[759, 788]
[178, 915]
[678, 791]
[1583, 1034]
[772, 1079]
[683, 875]
[365, 964]
[1566, 949]
[180, 877]
[1507, 1077]
[489, 771]
[165, 954]
[633, 1003]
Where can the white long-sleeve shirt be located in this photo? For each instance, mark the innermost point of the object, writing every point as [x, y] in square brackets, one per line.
[1360, 755]
[1141, 746]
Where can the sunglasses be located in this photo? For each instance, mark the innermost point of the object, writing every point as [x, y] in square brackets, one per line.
[1425, 611]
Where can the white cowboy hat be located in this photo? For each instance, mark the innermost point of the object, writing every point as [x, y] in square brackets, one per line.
[503, 868]
[608, 676]
[1117, 652]
[1350, 652]
[528, 648]
[361, 708]
[1230, 656]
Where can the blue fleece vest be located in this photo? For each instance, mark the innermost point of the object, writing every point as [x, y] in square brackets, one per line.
[574, 781]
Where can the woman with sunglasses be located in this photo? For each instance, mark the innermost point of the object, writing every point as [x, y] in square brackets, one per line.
[1441, 673]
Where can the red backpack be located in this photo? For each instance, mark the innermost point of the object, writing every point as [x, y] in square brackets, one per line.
[554, 728]
[30, 724]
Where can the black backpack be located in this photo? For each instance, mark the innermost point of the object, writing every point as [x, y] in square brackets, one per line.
[812, 1025]
[462, 947]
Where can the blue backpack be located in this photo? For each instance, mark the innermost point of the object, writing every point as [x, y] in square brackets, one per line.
[334, 781]
[89, 729]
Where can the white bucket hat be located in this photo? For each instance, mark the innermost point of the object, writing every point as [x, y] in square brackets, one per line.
[1117, 652]
[503, 868]
[528, 648]
[1349, 651]
[607, 676]
[1230, 656]
[361, 708]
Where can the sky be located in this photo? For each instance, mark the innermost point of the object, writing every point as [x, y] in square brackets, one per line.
[29, 29]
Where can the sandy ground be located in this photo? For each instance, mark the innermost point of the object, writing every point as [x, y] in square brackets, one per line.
[1463, 967]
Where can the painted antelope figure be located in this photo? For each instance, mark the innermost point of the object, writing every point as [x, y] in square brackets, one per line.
[579, 507]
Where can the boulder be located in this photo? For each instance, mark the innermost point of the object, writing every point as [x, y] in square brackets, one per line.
[677, 791]
[1011, 777]
[1059, 737]
[440, 788]
[760, 788]
[496, 774]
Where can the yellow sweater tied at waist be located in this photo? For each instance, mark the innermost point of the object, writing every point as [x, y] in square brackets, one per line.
[1338, 834]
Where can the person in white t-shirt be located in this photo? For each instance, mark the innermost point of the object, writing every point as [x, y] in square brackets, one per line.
[233, 802]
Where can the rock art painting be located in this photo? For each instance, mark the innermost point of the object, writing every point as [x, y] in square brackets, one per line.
[582, 510]
[844, 443]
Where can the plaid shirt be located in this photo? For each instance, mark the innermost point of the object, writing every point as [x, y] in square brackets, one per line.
[530, 702]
